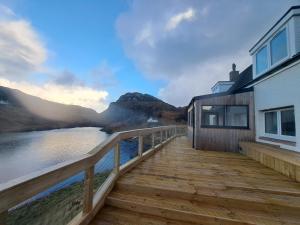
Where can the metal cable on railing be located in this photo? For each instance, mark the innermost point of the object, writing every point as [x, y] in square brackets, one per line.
[58, 195]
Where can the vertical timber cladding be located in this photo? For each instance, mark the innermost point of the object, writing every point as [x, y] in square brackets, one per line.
[224, 139]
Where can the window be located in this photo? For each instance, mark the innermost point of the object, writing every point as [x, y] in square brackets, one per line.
[213, 115]
[288, 122]
[279, 47]
[190, 118]
[262, 60]
[225, 116]
[236, 116]
[274, 51]
[280, 123]
[271, 122]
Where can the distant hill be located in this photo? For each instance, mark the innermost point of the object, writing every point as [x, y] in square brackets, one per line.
[133, 110]
[23, 112]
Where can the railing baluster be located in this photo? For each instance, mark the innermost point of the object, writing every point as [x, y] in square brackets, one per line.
[15, 194]
[141, 146]
[88, 190]
[117, 158]
[153, 140]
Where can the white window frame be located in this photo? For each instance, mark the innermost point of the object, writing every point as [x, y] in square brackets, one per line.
[268, 45]
[268, 60]
[287, 43]
[279, 135]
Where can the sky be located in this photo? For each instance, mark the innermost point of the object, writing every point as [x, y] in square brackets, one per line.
[89, 53]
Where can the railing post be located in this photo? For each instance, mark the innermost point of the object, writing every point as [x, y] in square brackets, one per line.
[153, 140]
[161, 136]
[117, 158]
[88, 190]
[141, 146]
[3, 218]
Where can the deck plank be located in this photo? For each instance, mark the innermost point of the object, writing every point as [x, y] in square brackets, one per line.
[180, 185]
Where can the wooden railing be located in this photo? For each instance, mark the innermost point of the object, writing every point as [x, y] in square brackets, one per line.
[21, 189]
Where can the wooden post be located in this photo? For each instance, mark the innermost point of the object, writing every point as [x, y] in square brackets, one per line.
[88, 190]
[3, 218]
[141, 146]
[153, 140]
[117, 158]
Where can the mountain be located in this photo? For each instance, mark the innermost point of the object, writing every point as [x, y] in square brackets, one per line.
[23, 112]
[135, 110]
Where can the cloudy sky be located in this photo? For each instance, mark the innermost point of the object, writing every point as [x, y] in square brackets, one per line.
[90, 52]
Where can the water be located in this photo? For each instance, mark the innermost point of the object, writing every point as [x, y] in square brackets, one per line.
[26, 152]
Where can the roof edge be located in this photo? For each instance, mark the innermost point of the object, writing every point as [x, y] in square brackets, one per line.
[277, 22]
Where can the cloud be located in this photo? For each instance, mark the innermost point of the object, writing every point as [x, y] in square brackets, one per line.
[67, 78]
[73, 95]
[6, 12]
[23, 53]
[182, 89]
[22, 50]
[175, 20]
[104, 75]
[191, 44]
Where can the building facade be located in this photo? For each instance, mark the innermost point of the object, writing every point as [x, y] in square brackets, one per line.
[262, 103]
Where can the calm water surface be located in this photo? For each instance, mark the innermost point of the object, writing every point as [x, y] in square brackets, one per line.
[26, 152]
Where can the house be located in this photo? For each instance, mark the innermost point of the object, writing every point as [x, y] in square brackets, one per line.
[259, 104]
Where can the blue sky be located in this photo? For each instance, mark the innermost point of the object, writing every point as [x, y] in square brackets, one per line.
[90, 52]
[82, 36]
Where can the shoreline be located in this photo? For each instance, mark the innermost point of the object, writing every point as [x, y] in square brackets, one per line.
[51, 128]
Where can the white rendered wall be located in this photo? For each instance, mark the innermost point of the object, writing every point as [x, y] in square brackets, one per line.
[283, 89]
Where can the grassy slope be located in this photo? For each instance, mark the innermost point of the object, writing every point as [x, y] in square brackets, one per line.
[58, 208]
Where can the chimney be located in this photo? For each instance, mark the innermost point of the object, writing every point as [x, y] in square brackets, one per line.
[234, 75]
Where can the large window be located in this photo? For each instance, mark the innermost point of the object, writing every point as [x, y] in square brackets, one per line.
[262, 60]
[225, 116]
[272, 52]
[236, 116]
[213, 115]
[279, 47]
[280, 123]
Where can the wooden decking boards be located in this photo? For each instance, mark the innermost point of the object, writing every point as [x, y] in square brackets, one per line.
[180, 185]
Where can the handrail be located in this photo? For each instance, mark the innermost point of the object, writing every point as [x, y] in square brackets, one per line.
[18, 190]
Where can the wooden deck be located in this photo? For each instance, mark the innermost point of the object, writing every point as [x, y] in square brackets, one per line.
[180, 185]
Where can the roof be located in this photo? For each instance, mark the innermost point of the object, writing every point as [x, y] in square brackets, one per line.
[222, 82]
[281, 18]
[238, 87]
[245, 78]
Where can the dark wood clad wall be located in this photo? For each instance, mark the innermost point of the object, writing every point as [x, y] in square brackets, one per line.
[223, 139]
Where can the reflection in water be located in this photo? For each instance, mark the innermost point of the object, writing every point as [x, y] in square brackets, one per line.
[26, 152]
